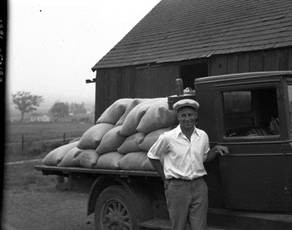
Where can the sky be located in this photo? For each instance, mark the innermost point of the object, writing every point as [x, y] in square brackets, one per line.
[53, 44]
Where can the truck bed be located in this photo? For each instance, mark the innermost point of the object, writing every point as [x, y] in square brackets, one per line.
[65, 171]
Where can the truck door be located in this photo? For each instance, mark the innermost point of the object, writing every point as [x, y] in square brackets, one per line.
[251, 123]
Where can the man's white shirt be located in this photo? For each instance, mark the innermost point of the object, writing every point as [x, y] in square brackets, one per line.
[181, 158]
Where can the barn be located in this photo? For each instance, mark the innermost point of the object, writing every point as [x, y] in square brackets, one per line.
[195, 38]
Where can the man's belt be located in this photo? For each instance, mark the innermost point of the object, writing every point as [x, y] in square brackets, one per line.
[182, 179]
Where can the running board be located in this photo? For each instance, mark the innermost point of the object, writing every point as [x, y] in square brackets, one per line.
[230, 219]
[226, 219]
[159, 224]
[162, 224]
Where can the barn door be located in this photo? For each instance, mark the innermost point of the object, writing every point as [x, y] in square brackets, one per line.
[191, 71]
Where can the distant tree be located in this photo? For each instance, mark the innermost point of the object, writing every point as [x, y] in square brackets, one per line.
[26, 102]
[77, 108]
[60, 110]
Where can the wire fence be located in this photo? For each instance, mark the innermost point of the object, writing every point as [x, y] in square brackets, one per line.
[26, 148]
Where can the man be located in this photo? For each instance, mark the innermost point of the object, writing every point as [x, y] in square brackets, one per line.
[178, 156]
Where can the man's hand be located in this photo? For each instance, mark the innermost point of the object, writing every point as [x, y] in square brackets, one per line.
[215, 151]
[220, 149]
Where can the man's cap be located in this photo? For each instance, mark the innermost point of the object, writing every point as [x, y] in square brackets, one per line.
[186, 103]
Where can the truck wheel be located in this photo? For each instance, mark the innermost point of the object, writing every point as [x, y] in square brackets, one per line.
[116, 209]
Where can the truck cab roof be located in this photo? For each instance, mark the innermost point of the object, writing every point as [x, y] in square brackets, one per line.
[242, 76]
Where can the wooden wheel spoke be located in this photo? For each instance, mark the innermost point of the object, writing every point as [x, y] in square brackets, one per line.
[114, 211]
[110, 211]
[108, 216]
[116, 205]
[126, 225]
[120, 207]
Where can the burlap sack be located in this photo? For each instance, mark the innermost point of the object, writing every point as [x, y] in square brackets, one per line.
[135, 115]
[157, 116]
[88, 158]
[92, 136]
[150, 139]
[131, 144]
[131, 105]
[110, 141]
[54, 157]
[114, 112]
[109, 160]
[147, 165]
[71, 158]
[133, 161]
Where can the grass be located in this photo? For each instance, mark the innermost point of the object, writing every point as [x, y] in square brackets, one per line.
[31, 150]
[25, 177]
[39, 138]
[44, 131]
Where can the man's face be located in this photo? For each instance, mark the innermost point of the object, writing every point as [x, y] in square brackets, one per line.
[187, 117]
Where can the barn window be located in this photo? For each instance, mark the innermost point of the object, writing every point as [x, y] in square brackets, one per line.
[250, 112]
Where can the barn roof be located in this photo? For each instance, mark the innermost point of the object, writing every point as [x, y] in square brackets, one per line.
[177, 30]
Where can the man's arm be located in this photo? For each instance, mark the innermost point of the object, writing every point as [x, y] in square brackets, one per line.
[154, 154]
[158, 167]
[215, 151]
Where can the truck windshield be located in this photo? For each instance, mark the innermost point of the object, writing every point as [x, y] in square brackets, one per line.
[251, 112]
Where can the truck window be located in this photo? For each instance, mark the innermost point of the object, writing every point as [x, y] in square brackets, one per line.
[250, 112]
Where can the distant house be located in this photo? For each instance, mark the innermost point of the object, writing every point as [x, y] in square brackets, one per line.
[195, 38]
[37, 117]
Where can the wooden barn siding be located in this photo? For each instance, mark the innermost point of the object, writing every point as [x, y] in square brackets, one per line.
[155, 81]
[159, 80]
[275, 59]
[134, 82]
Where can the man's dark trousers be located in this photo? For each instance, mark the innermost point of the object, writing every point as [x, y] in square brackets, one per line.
[187, 203]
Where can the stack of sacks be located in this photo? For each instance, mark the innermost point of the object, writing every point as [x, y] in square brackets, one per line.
[92, 136]
[150, 139]
[134, 117]
[110, 141]
[69, 155]
[135, 161]
[121, 137]
[101, 138]
[116, 113]
[131, 143]
[157, 116]
[142, 127]
[113, 140]
[54, 157]
[135, 148]
[109, 160]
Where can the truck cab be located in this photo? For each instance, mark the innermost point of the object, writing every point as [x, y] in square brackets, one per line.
[249, 113]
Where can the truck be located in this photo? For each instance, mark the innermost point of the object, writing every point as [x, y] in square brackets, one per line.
[250, 188]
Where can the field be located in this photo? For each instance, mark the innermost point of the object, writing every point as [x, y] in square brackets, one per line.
[31, 201]
[34, 140]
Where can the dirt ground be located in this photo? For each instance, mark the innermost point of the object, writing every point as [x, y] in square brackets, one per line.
[32, 202]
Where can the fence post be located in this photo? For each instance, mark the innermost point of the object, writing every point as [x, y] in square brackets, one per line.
[22, 143]
[64, 137]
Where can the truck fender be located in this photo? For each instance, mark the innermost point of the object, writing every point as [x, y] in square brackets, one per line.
[99, 185]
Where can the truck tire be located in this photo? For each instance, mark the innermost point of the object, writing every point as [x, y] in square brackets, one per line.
[117, 209]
